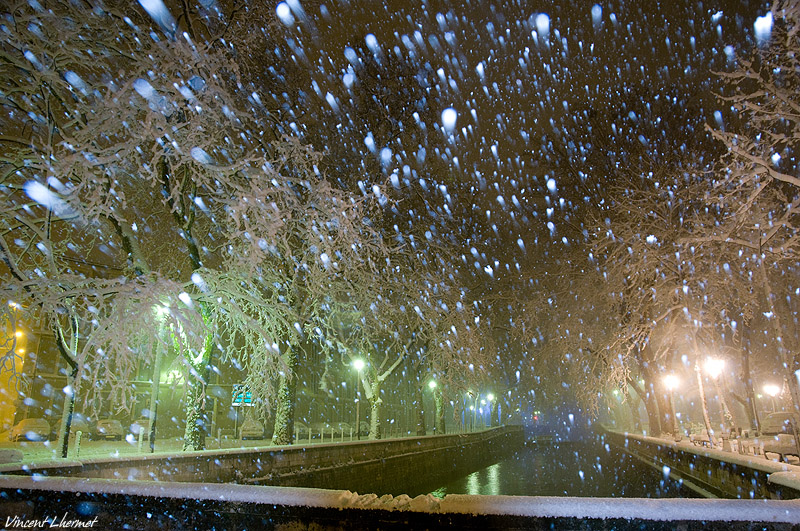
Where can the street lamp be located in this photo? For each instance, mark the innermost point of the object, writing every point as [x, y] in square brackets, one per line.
[358, 365]
[492, 420]
[671, 382]
[772, 390]
[438, 414]
[714, 367]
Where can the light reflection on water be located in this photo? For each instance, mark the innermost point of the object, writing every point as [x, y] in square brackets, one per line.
[569, 469]
[484, 481]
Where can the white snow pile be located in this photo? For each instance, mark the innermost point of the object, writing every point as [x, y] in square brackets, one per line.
[422, 503]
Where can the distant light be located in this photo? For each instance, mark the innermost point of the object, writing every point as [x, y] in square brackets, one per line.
[772, 390]
[714, 367]
[358, 365]
[490, 396]
[671, 382]
[19, 333]
[432, 384]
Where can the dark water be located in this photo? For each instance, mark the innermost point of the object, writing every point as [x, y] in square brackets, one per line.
[567, 469]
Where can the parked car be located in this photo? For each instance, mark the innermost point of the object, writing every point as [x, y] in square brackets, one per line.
[301, 429]
[108, 429]
[777, 423]
[320, 429]
[33, 429]
[79, 424]
[140, 424]
[251, 429]
[343, 427]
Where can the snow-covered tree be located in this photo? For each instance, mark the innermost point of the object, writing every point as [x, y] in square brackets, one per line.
[172, 168]
[758, 187]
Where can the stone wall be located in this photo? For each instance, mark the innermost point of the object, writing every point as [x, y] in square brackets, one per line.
[712, 473]
[386, 466]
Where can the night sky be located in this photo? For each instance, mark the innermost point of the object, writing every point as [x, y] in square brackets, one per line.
[509, 191]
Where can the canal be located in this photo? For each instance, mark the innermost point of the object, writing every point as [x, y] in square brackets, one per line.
[585, 469]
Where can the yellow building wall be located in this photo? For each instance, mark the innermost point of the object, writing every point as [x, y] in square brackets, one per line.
[13, 349]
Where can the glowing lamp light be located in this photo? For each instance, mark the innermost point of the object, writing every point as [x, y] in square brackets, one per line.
[432, 384]
[490, 396]
[358, 365]
[671, 381]
[772, 390]
[714, 367]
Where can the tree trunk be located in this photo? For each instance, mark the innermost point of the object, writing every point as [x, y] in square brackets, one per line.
[704, 404]
[284, 414]
[789, 364]
[375, 402]
[650, 406]
[634, 407]
[420, 411]
[652, 402]
[747, 378]
[66, 414]
[438, 399]
[668, 424]
[194, 435]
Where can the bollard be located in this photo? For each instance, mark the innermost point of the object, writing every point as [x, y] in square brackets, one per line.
[78, 436]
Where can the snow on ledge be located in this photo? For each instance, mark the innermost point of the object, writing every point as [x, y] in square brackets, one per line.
[752, 461]
[668, 509]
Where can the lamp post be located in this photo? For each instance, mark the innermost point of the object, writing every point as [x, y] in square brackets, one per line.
[671, 382]
[772, 390]
[704, 405]
[714, 367]
[358, 365]
[438, 408]
[492, 419]
[475, 414]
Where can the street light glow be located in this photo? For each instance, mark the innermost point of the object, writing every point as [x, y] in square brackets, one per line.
[490, 396]
[358, 365]
[432, 384]
[671, 381]
[714, 367]
[772, 390]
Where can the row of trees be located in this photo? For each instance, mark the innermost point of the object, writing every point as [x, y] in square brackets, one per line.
[152, 206]
[692, 244]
